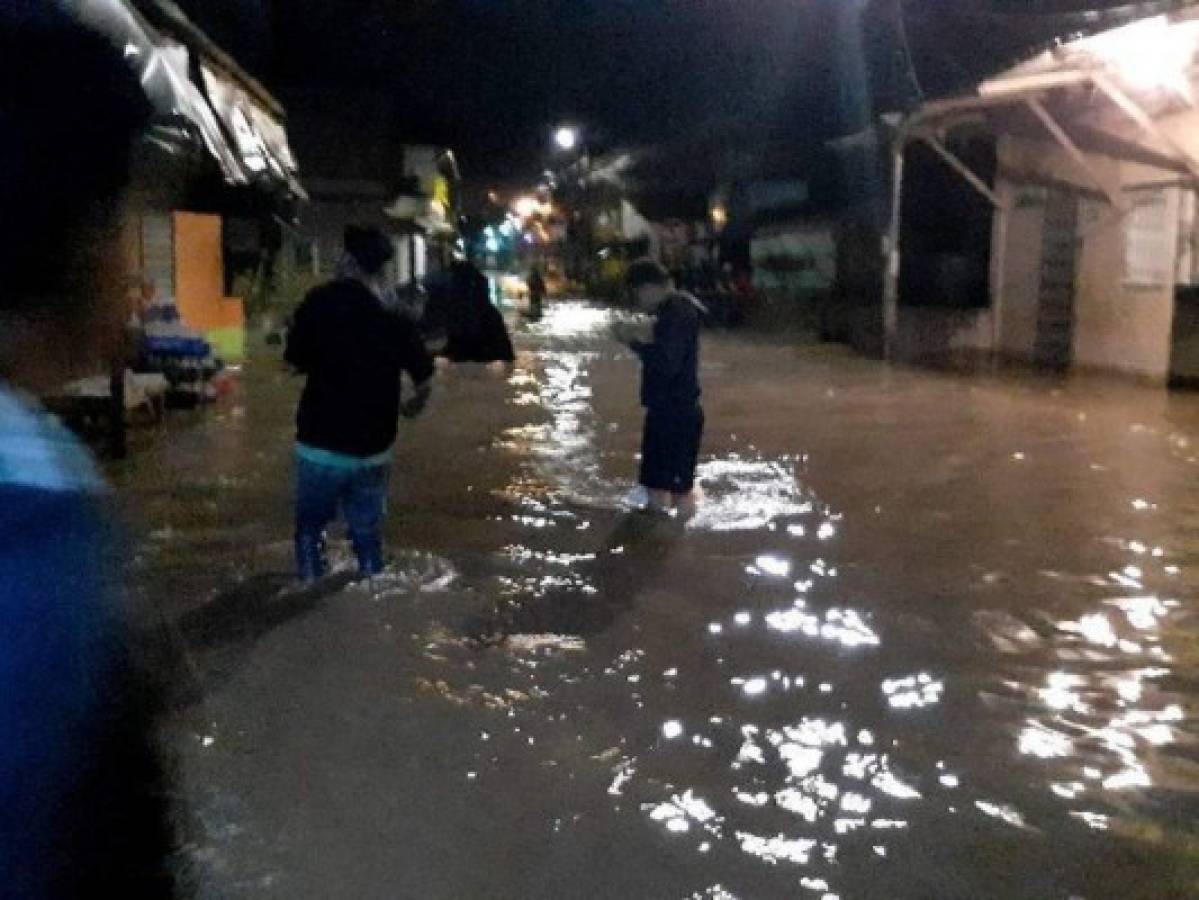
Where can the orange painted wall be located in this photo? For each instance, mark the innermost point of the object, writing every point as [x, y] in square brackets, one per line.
[199, 275]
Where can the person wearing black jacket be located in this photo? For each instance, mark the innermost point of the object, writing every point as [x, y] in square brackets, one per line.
[475, 329]
[353, 352]
[670, 390]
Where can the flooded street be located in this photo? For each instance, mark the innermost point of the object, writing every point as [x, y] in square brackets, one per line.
[929, 636]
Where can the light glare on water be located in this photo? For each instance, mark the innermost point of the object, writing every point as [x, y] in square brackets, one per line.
[888, 646]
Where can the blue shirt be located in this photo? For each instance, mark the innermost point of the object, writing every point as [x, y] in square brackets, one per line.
[322, 457]
[60, 642]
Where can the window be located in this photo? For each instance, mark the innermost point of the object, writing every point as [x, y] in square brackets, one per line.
[1149, 239]
[1188, 239]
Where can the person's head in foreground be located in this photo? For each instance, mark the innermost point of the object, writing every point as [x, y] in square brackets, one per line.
[70, 112]
[367, 253]
[648, 284]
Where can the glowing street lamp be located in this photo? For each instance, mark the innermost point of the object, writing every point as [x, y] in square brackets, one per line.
[720, 216]
[566, 138]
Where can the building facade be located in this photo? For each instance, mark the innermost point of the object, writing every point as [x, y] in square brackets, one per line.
[1091, 262]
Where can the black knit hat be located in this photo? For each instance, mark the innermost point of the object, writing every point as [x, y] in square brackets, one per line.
[644, 272]
[370, 248]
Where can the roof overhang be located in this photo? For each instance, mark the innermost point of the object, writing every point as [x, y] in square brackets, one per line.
[1105, 94]
[204, 104]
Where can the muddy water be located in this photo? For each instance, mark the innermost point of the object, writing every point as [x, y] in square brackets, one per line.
[928, 636]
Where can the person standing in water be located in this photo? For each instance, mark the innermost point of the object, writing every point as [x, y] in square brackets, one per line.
[475, 329]
[353, 351]
[536, 293]
[670, 390]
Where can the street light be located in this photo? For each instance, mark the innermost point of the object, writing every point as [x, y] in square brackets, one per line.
[527, 207]
[566, 138]
[720, 216]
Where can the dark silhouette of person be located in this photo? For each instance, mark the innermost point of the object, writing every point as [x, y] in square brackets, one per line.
[475, 329]
[670, 388]
[536, 293]
[353, 352]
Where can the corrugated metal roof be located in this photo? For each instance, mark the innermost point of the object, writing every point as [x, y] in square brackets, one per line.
[954, 44]
[204, 102]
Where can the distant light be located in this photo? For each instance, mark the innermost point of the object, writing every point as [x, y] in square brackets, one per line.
[566, 138]
[493, 245]
[526, 207]
[720, 217]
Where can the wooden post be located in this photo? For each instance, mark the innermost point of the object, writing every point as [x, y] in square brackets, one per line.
[1146, 122]
[999, 238]
[892, 253]
[118, 446]
[961, 168]
[1113, 193]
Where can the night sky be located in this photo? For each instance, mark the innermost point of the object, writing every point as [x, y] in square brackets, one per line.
[489, 77]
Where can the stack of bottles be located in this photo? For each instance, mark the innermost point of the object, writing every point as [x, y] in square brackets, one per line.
[182, 355]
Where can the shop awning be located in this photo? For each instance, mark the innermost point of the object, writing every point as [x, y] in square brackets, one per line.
[204, 103]
[1102, 93]
[1106, 93]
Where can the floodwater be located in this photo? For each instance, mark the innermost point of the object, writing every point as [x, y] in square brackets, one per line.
[929, 636]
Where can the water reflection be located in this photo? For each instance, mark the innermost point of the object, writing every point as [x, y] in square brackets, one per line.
[741, 494]
[1091, 724]
[807, 700]
[1005, 813]
[913, 692]
[815, 744]
[715, 892]
[840, 626]
[561, 458]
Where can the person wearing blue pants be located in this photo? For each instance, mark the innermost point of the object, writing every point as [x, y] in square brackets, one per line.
[354, 352]
[325, 483]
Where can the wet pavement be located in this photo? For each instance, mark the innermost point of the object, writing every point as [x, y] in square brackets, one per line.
[929, 636]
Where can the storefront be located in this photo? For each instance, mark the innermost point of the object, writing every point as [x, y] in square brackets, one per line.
[1092, 207]
[216, 151]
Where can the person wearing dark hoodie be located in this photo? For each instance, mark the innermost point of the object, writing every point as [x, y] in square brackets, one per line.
[353, 351]
[670, 389]
[536, 284]
[475, 329]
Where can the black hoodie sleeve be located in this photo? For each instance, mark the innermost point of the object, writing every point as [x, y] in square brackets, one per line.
[300, 352]
[414, 356]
